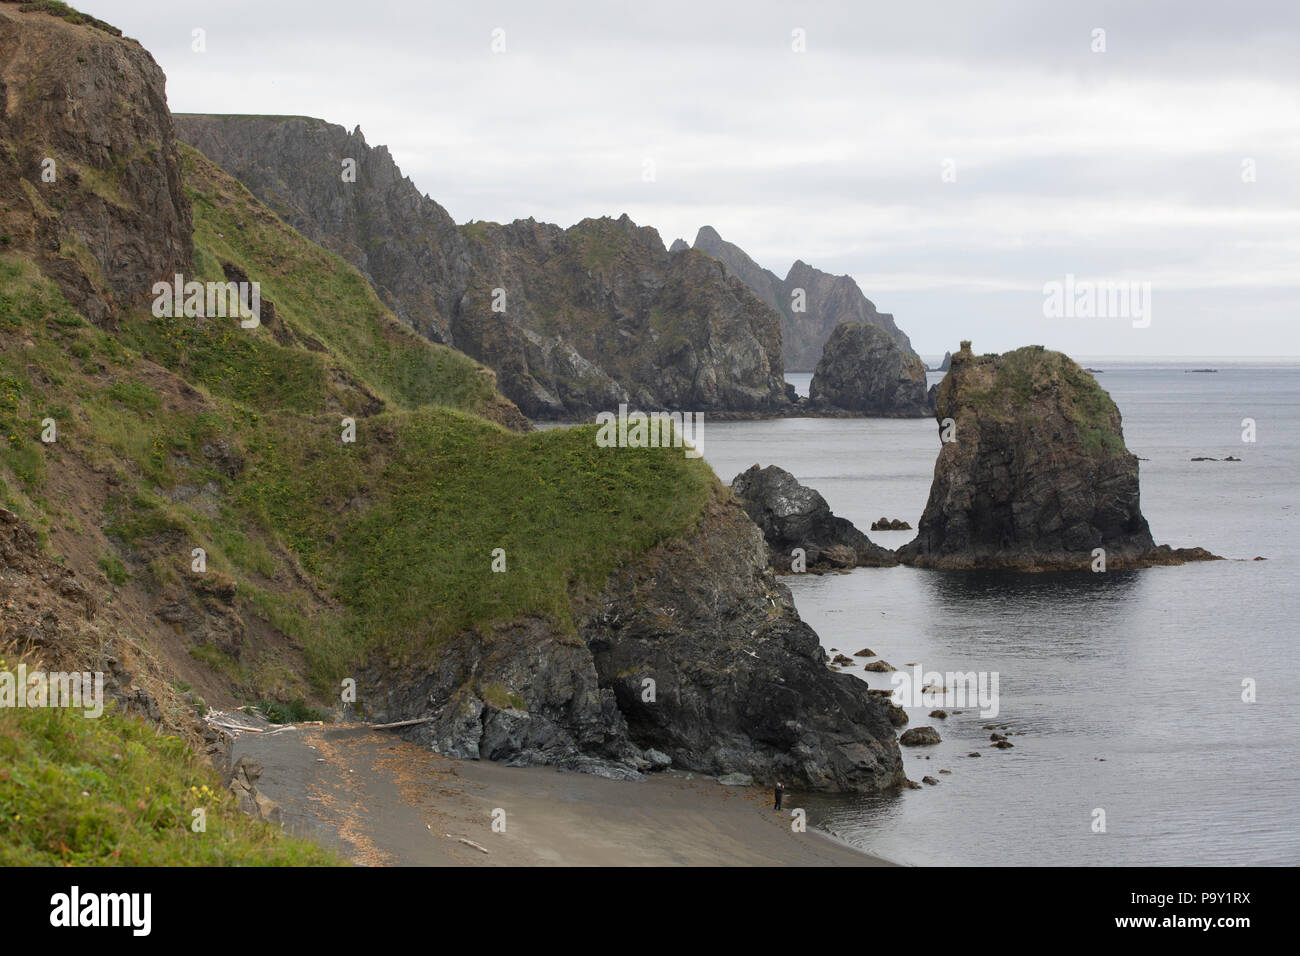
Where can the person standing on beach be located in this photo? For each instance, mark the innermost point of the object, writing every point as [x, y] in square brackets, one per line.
[779, 792]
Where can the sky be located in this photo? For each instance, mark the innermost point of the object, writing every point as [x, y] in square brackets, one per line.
[955, 158]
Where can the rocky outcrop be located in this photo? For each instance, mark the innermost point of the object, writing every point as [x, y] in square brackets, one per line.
[791, 515]
[826, 302]
[573, 321]
[946, 363]
[863, 370]
[1035, 475]
[90, 184]
[601, 314]
[694, 653]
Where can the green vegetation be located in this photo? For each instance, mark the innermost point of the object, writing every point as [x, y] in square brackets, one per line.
[114, 791]
[442, 491]
[56, 8]
[294, 712]
[1027, 372]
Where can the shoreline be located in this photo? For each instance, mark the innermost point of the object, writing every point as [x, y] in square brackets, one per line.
[382, 801]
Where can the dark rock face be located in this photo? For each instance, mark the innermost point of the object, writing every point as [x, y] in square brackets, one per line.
[573, 321]
[740, 684]
[791, 515]
[602, 313]
[90, 109]
[862, 370]
[1037, 474]
[946, 363]
[828, 301]
[405, 244]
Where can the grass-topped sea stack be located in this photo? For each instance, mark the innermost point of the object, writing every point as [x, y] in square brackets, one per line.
[1033, 474]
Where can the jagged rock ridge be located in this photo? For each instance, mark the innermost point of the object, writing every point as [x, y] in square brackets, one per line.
[829, 301]
[573, 321]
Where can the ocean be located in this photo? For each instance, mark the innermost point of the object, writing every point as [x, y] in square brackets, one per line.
[1122, 692]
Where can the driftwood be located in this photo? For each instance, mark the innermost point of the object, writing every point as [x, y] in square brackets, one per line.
[403, 723]
[481, 849]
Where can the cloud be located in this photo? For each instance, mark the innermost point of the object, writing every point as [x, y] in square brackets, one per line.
[1122, 164]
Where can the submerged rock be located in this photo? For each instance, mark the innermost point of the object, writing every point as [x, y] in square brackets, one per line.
[791, 515]
[1035, 475]
[863, 370]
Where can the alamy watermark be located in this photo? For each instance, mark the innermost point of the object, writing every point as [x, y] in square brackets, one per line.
[76, 690]
[652, 430]
[952, 689]
[1105, 299]
[221, 300]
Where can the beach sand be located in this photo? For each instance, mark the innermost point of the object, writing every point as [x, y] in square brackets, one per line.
[381, 801]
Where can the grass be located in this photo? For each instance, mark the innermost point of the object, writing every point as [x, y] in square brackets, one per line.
[114, 791]
[56, 8]
[292, 712]
[1026, 372]
[402, 525]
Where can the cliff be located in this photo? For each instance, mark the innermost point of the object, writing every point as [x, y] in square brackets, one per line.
[828, 301]
[90, 179]
[1034, 474]
[573, 321]
[236, 514]
[669, 662]
[863, 370]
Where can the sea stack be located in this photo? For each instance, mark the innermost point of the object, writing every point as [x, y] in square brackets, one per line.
[1033, 473]
[863, 370]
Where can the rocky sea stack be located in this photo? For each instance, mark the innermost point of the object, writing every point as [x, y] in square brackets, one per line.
[863, 370]
[792, 515]
[1033, 474]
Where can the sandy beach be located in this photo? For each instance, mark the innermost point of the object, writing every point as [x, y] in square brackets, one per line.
[381, 801]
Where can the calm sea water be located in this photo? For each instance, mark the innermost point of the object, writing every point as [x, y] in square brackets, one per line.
[1123, 691]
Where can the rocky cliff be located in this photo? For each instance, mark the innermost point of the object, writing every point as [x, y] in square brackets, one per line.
[828, 301]
[573, 321]
[1034, 474]
[692, 655]
[90, 186]
[259, 512]
[863, 370]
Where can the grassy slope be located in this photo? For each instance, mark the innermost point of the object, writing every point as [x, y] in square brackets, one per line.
[117, 792]
[395, 531]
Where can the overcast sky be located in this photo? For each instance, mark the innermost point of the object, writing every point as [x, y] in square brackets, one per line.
[1125, 165]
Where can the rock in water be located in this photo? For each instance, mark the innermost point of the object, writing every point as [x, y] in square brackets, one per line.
[1036, 474]
[920, 737]
[792, 515]
[863, 370]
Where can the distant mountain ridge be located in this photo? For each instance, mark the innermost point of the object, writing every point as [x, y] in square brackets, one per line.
[573, 321]
[829, 300]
